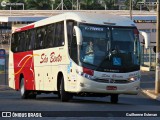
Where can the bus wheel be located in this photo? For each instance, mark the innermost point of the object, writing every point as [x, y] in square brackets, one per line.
[31, 95]
[114, 98]
[24, 93]
[65, 96]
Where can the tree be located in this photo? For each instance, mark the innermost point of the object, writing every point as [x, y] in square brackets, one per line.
[66, 5]
[56, 4]
[86, 4]
[39, 4]
[135, 4]
[110, 4]
[96, 5]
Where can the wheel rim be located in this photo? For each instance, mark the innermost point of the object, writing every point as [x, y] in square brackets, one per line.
[60, 89]
[22, 89]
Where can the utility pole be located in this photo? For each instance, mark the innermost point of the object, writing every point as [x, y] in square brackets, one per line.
[62, 4]
[72, 4]
[130, 9]
[157, 81]
[77, 4]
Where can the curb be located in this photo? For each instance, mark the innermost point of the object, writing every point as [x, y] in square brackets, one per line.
[151, 95]
[4, 87]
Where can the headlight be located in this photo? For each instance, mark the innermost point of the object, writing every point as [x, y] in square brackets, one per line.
[133, 79]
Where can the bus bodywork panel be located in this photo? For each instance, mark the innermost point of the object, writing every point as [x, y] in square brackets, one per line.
[38, 68]
[91, 18]
[98, 87]
[79, 83]
[11, 74]
[24, 67]
[48, 63]
[103, 80]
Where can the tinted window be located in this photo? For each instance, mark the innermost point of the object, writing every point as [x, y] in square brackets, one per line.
[49, 36]
[39, 42]
[58, 34]
[32, 37]
[39, 38]
[72, 42]
[13, 43]
[70, 25]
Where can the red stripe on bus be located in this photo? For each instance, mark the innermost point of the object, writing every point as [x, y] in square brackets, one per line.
[24, 65]
[24, 28]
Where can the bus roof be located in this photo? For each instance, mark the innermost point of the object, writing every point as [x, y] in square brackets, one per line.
[92, 18]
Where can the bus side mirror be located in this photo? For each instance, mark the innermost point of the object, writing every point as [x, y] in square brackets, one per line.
[146, 38]
[78, 34]
[154, 49]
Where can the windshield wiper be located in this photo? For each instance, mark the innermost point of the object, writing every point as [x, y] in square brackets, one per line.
[106, 57]
[90, 64]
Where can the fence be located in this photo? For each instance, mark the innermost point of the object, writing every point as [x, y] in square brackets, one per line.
[148, 58]
[3, 67]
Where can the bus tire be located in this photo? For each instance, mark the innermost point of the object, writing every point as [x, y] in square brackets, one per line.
[65, 96]
[31, 95]
[24, 92]
[114, 98]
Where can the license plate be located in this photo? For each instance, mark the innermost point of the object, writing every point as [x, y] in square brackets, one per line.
[111, 87]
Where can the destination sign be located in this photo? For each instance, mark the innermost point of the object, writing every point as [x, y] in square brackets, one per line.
[94, 28]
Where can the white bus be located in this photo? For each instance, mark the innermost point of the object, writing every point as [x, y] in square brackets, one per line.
[76, 54]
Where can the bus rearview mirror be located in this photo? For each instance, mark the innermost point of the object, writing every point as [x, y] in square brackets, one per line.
[146, 38]
[78, 34]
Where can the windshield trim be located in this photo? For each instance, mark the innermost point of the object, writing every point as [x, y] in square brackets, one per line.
[109, 69]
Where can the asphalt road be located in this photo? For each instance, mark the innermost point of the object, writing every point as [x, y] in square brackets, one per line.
[3, 79]
[10, 101]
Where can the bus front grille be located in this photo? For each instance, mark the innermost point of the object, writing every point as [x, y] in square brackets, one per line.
[112, 81]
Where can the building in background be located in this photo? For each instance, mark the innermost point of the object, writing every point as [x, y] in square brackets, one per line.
[145, 21]
[150, 4]
[7, 24]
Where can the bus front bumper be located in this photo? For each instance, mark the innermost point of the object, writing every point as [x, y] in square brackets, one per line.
[86, 85]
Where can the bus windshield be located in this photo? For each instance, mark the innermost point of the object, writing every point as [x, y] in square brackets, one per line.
[112, 49]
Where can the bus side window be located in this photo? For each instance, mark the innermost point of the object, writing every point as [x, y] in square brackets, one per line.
[61, 41]
[54, 36]
[13, 42]
[27, 40]
[59, 34]
[36, 44]
[70, 25]
[15, 48]
[42, 38]
[19, 40]
[74, 49]
[22, 42]
[49, 36]
[72, 43]
[32, 39]
[39, 38]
